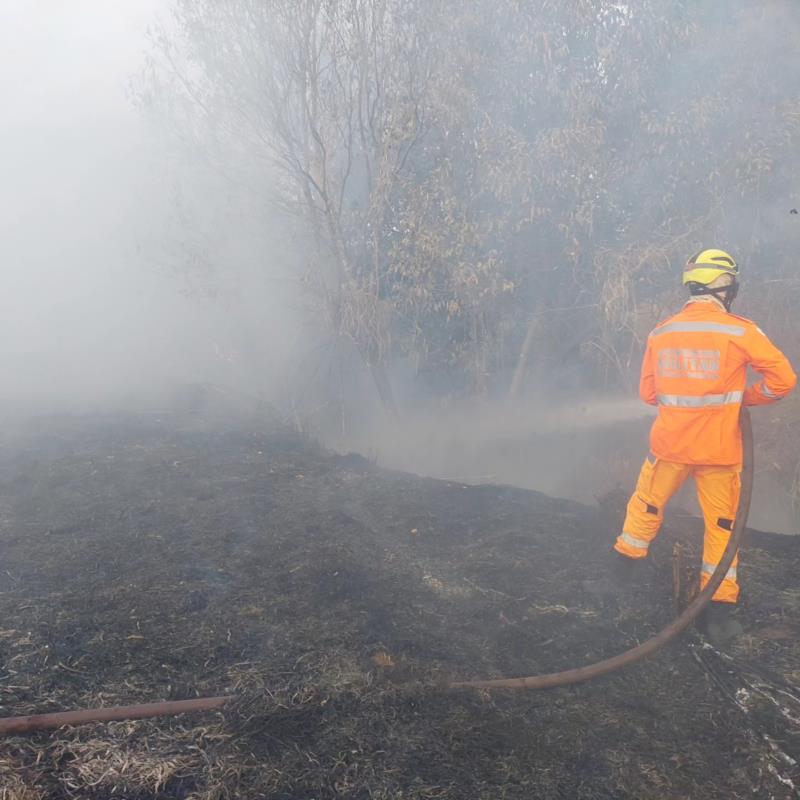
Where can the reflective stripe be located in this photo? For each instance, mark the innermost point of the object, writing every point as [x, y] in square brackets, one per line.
[710, 568]
[699, 401]
[640, 544]
[699, 327]
[766, 391]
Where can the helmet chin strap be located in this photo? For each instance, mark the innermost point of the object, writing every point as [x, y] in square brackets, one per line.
[725, 294]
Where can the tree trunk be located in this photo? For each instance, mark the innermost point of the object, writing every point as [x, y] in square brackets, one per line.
[384, 387]
[524, 354]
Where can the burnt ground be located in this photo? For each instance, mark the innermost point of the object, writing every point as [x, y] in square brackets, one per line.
[141, 562]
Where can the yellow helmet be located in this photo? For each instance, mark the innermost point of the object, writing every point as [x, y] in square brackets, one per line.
[708, 265]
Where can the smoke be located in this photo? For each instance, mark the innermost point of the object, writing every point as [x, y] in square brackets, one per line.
[102, 304]
[133, 265]
[579, 449]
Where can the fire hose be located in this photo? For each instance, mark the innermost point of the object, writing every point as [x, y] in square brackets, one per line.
[649, 647]
[35, 722]
[23, 724]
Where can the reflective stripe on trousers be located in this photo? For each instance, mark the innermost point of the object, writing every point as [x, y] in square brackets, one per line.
[710, 569]
[640, 544]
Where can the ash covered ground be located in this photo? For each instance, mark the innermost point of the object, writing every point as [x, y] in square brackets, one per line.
[142, 561]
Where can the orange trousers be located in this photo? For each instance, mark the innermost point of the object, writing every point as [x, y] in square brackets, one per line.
[718, 492]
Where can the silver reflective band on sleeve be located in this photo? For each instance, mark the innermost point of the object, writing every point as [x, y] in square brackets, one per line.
[699, 401]
[699, 327]
[710, 568]
[640, 544]
[766, 391]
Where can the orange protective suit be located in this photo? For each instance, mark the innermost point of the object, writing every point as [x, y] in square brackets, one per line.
[695, 370]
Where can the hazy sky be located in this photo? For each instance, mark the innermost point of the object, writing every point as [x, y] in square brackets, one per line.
[87, 308]
[73, 146]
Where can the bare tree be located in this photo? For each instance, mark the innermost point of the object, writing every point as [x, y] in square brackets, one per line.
[333, 94]
[484, 182]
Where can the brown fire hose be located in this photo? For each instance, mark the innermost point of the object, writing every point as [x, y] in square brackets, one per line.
[36, 722]
[15, 725]
[673, 629]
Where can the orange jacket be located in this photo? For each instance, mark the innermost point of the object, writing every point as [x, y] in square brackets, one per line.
[695, 371]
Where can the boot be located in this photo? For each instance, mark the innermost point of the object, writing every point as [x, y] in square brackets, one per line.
[618, 578]
[718, 624]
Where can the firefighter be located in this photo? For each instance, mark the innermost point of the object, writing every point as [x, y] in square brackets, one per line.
[695, 370]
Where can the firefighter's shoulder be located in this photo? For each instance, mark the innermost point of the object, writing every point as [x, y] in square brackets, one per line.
[667, 321]
[753, 326]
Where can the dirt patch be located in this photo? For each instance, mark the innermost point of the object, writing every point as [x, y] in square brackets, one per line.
[140, 562]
